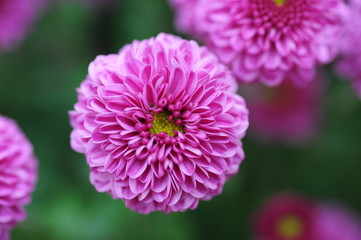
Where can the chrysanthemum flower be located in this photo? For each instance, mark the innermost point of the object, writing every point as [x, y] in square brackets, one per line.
[286, 114]
[337, 223]
[4, 232]
[18, 173]
[184, 14]
[350, 62]
[160, 124]
[267, 40]
[16, 16]
[291, 217]
[286, 217]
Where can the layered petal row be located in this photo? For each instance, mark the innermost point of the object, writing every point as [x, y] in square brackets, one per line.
[350, 62]
[18, 174]
[266, 40]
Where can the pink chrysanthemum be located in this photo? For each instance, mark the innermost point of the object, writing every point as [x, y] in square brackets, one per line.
[286, 217]
[336, 223]
[285, 114]
[291, 217]
[4, 232]
[267, 40]
[18, 173]
[16, 17]
[160, 124]
[184, 15]
[350, 62]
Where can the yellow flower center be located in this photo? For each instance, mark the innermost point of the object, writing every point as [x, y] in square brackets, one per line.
[161, 123]
[290, 227]
[280, 2]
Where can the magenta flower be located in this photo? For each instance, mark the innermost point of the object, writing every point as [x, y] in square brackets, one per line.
[286, 217]
[350, 62]
[267, 40]
[4, 232]
[184, 15]
[291, 217]
[286, 114]
[18, 173]
[160, 124]
[336, 223]
[16, 17]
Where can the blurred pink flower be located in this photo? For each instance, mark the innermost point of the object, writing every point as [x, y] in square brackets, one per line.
[266, 40]
[16, 16]
[336, 223]
[285, 217]
[18, 173]
[4, 232]
[292, 217]
[287, 113]
[350, 62]
[160, 124]
[184, 14]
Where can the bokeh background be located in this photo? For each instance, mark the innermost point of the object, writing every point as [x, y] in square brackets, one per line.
[37, 89]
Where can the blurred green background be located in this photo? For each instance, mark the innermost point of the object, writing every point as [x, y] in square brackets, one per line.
[37, 88]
